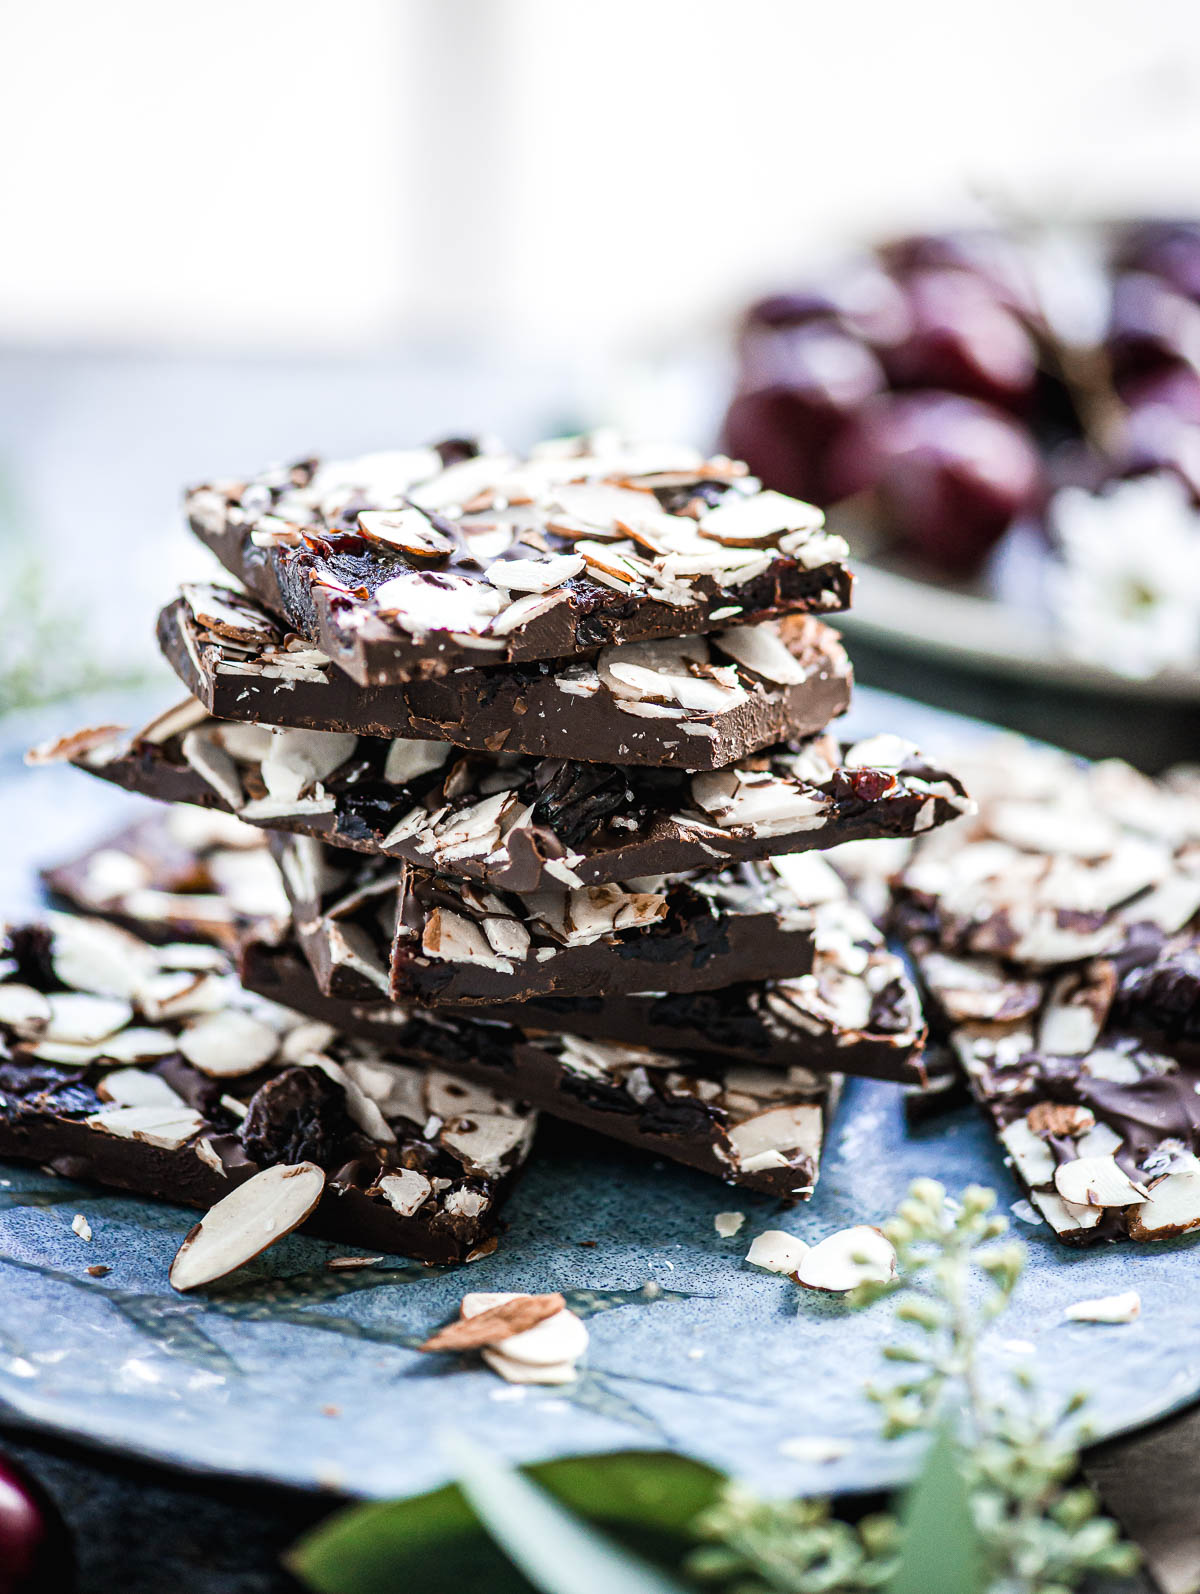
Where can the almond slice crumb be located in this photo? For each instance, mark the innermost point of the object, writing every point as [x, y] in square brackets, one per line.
[727, 1224]
[81, 1226]
[1106, 1309]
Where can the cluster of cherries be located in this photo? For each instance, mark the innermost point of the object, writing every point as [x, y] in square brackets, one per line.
[935, 379]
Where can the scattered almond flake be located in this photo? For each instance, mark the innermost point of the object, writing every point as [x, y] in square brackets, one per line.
[341, 1264]
[495, 1323]
[98, 1270]
[1025, 1212]
[814, 1448]
[543, 1354]
[253, 1216]
[81, 1226]
[727, 1224]
[777, 1251]
[78, 744]
[1106, 1309]
[842, 1261]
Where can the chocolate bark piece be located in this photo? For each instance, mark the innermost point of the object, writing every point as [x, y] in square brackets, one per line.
[520, 823]
[182, 874]
[693, 702]
[856, 1012]
[1061, 863]
[371, 928]
[141, 1069]
[1086, 1063]
[414, 563]
[761, 1128]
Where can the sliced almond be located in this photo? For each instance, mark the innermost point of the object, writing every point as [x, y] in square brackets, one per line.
[534, 575]
[78, 744]
[1106, 1309]
[134, 1087]
[23, 1009]
[244, 1223]
[298, 759]
[494, 1324]
[1171, 1209]
[741, 521]
[559, 1338]
[407, 530]
[486, 1140]
[405, 1191]
[761, 649]
[516, 1372]
[81, 1019]
[228, 1043]
[405, 761]
[89, 955]
[1096, 1182]
[777, 1251]
[843, 1261]
[880, 752]
[220, 610]
[214, 765]
[168, 1128]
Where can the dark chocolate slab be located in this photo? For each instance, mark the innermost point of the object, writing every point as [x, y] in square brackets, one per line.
[370, 928]
[520, 823]
[412, 564]
[151, 1069]
[760, 1128]
[681, 704]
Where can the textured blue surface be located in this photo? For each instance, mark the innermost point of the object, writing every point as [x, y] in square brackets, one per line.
[306, 1377]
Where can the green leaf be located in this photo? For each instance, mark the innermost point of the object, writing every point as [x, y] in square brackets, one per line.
[434, 1542]
[558, 1552]
[940, 1549]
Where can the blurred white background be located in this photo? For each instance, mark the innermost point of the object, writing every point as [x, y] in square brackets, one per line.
[243, 229]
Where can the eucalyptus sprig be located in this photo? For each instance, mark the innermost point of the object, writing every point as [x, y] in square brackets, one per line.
[1012, 1451]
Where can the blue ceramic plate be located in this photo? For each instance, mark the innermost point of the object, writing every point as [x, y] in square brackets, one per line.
[306, 1377]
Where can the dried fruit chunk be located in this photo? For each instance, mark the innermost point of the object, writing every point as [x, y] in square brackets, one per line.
[256, 1214]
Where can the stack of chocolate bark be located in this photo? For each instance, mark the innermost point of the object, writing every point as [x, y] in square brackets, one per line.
[542, 748]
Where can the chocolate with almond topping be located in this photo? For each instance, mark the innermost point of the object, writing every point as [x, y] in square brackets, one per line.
[761, 1128]
[371, 928]
[150, 1069]
[414, 563]
[521, 823]
[695, 702]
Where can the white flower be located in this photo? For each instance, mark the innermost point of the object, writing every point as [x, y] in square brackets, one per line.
[1126, 593]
